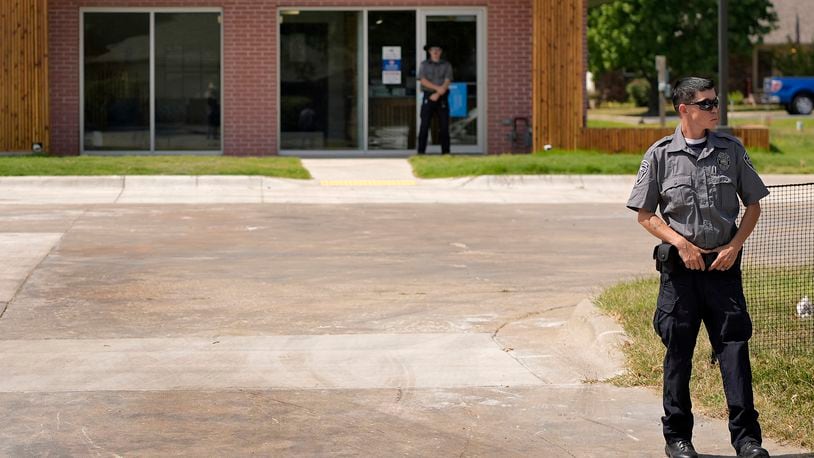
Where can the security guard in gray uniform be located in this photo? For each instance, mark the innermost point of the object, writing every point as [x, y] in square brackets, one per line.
[695, 178]
[435, 75]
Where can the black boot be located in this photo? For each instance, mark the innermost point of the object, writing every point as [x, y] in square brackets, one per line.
[680, 448]
[751, 449]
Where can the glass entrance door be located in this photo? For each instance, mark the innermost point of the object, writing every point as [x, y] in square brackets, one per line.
[460, 35]
[391, 80]
[348, 79]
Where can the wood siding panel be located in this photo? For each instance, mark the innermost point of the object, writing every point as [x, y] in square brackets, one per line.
[637, 140]
[24, 74]
[558, 68]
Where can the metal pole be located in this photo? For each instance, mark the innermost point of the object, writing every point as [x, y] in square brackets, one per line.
[661, 69]
[723, 62]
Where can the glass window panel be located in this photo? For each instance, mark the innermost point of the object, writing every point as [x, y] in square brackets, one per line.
[392, 84]
[187, 81]
[458, 34]
[320, 77]
[116, 81]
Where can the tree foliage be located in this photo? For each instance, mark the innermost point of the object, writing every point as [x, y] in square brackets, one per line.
[628, 34]
[794, 59]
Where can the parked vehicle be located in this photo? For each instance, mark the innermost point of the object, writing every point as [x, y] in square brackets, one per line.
[795, 93]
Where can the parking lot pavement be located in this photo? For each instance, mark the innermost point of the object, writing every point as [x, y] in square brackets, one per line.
[295, 329]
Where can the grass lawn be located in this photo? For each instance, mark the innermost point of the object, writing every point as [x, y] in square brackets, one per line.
[783, 384]
[284, 167]
[792, 152]
[543, 163]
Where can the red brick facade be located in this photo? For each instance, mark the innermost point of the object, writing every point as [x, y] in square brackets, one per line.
[249, 66]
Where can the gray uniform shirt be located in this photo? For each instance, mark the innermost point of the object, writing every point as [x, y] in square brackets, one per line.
[697, 194]
[435, 72]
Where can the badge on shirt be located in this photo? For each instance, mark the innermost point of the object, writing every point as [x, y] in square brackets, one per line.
[643, 169]
[724, 161]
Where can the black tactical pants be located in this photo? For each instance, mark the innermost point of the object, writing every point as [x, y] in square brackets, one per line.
[428, 109]
[686, 298]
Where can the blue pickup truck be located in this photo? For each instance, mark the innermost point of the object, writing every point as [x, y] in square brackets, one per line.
[795, 93]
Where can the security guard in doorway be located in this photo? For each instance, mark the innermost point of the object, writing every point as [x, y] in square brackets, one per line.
[435, 75]
[695, 178]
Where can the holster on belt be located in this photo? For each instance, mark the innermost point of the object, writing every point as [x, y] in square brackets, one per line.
[666, 256]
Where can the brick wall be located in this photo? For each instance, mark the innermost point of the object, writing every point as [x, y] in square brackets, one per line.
[509, 45]
[63, 73]
[249, 63]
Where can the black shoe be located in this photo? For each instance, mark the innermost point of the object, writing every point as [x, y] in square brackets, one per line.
[680, 448]
[752, 449]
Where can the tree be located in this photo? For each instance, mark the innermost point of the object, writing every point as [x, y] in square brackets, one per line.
[628, 34]
[794, 59]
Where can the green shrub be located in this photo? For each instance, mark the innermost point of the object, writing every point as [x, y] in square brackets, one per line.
[638, 91]
[736, 97]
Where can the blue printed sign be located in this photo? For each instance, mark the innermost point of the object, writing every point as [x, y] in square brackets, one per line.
[391, 65]
[457, 100]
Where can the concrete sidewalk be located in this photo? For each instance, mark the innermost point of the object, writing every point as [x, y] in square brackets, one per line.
[347, 181]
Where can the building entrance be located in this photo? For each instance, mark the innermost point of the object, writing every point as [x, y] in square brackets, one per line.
[348, 82]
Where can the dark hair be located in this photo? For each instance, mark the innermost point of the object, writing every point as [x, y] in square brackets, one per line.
[686, 88]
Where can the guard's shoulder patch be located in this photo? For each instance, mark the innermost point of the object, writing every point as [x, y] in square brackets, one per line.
[644, 170]
[748, 161]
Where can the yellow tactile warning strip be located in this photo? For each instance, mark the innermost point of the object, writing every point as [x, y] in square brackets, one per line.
[367, 183]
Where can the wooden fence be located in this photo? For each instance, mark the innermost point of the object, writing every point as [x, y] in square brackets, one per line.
[23, 74]
[634, 139]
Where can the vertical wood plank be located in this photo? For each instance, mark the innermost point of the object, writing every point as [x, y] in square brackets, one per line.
[24, 70]
[558, 73]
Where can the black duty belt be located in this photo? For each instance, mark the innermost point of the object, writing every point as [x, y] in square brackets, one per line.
[668, 259]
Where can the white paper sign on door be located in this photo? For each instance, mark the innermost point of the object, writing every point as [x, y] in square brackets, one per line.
[391, 64]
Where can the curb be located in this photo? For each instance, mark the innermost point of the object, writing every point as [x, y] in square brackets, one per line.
[599, 337]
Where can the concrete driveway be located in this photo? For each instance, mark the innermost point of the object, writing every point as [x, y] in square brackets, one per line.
[311, 329]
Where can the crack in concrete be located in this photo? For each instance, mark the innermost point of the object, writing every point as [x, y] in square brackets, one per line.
[554, 444]
[121, 191]
[93, 445]
[37, 266]
[521, 318]
[291, 404]
[613, 428]
[526, 316]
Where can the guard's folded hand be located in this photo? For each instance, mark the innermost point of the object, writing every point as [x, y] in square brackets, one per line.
[691, 255]
[727, 255]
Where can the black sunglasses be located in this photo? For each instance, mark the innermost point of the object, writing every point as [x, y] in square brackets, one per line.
[706, 104]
